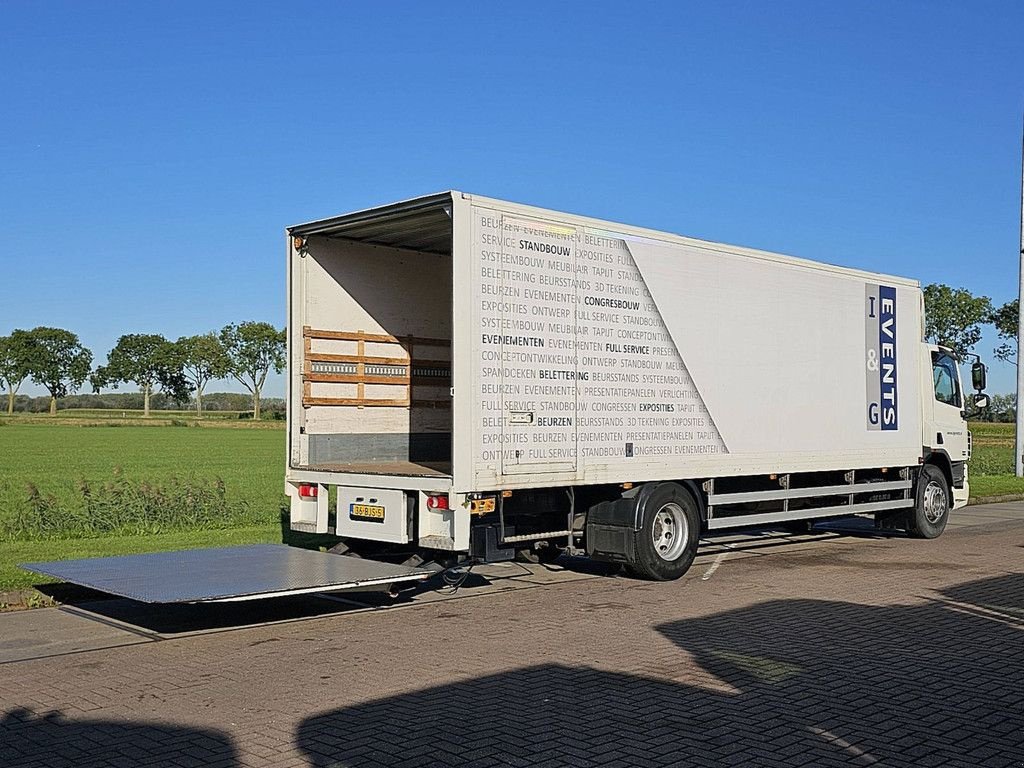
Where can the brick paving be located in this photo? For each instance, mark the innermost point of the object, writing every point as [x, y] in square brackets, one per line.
[871, 652]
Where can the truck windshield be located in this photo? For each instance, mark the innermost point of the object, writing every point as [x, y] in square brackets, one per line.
[945, 379]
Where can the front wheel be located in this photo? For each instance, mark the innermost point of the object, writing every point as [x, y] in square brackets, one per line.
[932, 504]
[666, 543]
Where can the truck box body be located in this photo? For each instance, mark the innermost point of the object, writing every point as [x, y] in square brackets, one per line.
[629, 357]
[594, 338]
[461, 344]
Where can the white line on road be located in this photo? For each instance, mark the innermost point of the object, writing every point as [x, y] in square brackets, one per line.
[856, 752]
[713, 568]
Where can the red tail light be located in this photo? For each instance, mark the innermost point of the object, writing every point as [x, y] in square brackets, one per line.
[307, 491]
[437, 502]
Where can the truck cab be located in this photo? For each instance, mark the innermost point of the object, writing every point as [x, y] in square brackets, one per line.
[946, 439]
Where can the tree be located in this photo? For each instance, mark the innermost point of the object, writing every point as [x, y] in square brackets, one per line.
[953, 317]
[58, 361]
[253, 349]
[1003, 408]
[203, 359]
[14, 363]
[147, 360]
[1005, 320]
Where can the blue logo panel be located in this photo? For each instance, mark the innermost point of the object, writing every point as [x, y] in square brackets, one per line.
[881, 358]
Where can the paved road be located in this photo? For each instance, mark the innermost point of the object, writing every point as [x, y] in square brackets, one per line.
[838, 648]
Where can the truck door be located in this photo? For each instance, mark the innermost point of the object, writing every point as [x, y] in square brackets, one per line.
[950, 429]
[540, 367]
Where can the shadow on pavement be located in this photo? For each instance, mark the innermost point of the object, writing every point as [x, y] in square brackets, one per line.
[999, 595]
[178, 618]
[54, 741]
[927, 684]
[782, 683]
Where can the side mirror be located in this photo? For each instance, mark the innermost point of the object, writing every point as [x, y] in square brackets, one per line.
[978, 376]
[981, 402]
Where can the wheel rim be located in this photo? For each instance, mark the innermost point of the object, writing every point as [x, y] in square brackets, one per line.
[669, 531]
[934, 502]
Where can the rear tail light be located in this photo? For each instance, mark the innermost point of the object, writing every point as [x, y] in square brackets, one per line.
[437, 502]
[307, 491]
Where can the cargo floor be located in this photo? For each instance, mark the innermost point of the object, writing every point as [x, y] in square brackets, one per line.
[407, 468]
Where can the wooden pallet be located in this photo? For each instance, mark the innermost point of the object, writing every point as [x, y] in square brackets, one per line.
[401, 369]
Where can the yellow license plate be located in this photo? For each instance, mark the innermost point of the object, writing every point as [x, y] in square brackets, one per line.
[481, 506]
[366, 512]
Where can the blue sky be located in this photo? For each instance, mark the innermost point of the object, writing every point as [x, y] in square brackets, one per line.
[152, 153]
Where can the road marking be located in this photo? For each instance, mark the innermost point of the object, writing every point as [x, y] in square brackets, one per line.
[981, 612]
[714, 567]
[856, 752]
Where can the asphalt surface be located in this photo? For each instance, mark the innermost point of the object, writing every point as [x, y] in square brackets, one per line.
[840, 647]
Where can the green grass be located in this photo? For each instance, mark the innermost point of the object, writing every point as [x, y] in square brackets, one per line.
[991, 471]
[75, 486]
[996, 485]
[81, 472]
[13, 552]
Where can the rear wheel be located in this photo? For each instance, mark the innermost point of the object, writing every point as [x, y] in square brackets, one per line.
[932, 503]
[666, 543]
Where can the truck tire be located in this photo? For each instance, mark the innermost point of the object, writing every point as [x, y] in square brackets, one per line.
[798, 526]
[931, 507]
[666, 542]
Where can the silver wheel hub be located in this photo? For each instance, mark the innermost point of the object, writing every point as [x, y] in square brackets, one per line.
[934, 502]
[669, 531]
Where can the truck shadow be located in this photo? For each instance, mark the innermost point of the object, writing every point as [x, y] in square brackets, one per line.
[789, 682]
[999, 597]
[27, 739]
[935, 683]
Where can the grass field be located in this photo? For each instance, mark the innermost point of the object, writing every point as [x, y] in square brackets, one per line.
[84, 484]
[991, 469]
[70, 477]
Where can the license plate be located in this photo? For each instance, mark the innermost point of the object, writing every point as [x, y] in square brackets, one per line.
[371, 512]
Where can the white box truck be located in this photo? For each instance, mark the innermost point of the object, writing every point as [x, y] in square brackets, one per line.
[469, 376]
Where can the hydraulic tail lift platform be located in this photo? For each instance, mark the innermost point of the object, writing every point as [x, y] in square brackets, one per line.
[226, 573]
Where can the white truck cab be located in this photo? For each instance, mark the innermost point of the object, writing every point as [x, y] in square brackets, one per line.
[943, 420]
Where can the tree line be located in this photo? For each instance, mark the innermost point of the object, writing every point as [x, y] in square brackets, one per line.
[54, 358]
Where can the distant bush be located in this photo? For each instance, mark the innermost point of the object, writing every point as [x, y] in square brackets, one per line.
[132, 401]
[273, 414]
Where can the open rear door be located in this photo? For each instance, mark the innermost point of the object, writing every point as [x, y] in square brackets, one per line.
[225, 573]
